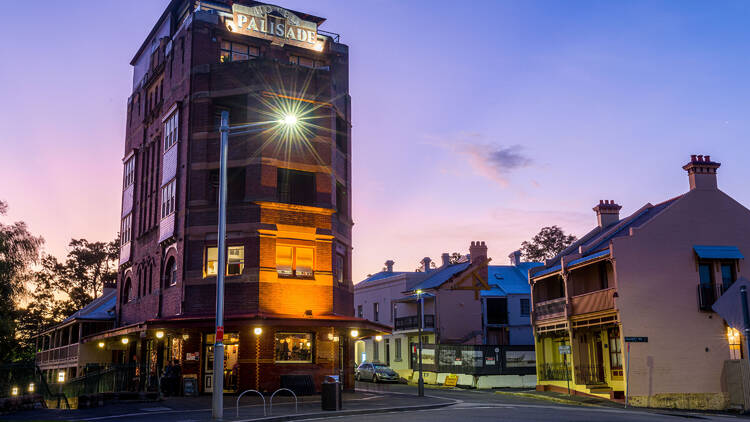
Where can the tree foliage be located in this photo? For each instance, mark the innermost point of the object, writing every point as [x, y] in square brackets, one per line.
[549, 242]
[19, 249]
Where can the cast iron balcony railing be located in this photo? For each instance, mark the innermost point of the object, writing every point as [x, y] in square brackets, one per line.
[549, 308]
[412, 322]
[553, 372]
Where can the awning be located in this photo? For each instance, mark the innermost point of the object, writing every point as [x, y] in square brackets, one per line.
[718, 252]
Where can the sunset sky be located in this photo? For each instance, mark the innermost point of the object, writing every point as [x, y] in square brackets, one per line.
[471, 120]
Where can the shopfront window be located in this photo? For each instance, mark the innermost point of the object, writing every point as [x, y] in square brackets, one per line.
[293, 347]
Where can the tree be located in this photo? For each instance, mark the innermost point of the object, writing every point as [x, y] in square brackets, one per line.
[549, 242]
[455, 258]
[421, 267]
[19, 249]
[88, 266]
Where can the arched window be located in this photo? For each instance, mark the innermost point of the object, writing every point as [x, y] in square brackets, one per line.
[170, 272]
[127, 291]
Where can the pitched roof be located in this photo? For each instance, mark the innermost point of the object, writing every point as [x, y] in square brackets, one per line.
[441, 275]
[509, 279]
[101, 308]
[596, 241]
[379, 276]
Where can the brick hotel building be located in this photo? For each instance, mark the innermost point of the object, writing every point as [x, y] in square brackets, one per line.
[289, 305]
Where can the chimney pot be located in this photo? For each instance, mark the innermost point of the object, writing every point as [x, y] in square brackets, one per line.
[389, 265]
[515, 258]
[708, 158]
[446, 259]
[426, 262]
[702, 172]
[693, 158]
[607, 212]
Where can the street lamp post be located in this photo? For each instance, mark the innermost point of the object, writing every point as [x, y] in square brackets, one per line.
[217, 394]
[420, 384]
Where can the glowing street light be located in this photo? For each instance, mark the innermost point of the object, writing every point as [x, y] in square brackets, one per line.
[101, 344]
[258, 331]
[125, 340]
[160, 334]
[378, 338]
[354, 333]
[14, 391]
[289, 120]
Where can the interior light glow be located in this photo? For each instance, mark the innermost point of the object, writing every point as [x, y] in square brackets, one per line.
[160, 334]
[258, 331]
[354, 333]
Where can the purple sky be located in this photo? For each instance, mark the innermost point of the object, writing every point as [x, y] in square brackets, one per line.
[481, 122]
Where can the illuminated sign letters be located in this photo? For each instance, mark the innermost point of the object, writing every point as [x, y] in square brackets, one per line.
[273, 23]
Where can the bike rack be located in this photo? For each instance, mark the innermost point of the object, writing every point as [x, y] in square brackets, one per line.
[237, 413]
[270, 404]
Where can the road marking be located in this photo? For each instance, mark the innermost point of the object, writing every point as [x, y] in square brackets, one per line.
[155, 409]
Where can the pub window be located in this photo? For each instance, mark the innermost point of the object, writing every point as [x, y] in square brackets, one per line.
[294, 261]
[235, 261]
[307, 62]
[237, 52]
[376, 311]
[168, 199]
[339, 268]
[129, 173]
[170, 130]
[125, 230]
[398, 349]
[615, 352]
[295, 187]
[293, 347]
[359, 311]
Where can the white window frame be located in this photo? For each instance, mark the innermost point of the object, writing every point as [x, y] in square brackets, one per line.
[126, 229]
[171, 128]
[128, 177]
[168, 199]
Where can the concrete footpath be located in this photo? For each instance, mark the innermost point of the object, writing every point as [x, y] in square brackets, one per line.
[251, 408]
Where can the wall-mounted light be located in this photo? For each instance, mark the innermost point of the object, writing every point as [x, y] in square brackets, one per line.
[160, 334]
[318, 46]
[14, 391]
[185, 337]
[31, 387]
[101, 344]
[330, 336]
[61, 377]
[378, 338]
[125, 340]
[419, 291]
[354, 333]
[258, 331]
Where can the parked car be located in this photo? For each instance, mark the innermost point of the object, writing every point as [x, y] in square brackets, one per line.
[375, 372]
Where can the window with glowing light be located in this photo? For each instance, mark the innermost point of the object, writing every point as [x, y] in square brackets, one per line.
[735, 345]
[294, 261]
[293, 347]
[235, 261]
[237, 52]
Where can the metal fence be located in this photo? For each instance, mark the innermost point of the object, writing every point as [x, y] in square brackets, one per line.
[112, 378]
[475, 359]
[553, 372]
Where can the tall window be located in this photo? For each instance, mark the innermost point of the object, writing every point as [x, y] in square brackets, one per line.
[398, 349]
[294, 261]
[126, 229]
[171, 130]
[167, 199]
[171, 272]
[129, 173]
[235, 261]
[293, 347]
[237, 52]
[525, 307]
[615, 352]
[342, 134]
[339, 268]
[728, 274]
[296, 187]
[376, 311]
[603, 281]
[497, 310]
[359, 311]
[342, 202]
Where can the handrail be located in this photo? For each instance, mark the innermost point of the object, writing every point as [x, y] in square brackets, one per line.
[270, 403]
[237, 413]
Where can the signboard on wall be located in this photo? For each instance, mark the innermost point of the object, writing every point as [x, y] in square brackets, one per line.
[275, 24]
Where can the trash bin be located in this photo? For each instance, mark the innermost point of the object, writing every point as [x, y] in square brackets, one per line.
[330, 392]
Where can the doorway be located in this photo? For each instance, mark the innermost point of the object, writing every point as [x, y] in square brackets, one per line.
[231, 362]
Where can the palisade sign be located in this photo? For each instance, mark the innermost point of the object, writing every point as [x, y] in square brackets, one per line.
[275, 24]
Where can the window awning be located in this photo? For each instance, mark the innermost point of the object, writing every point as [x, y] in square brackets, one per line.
[718, 252]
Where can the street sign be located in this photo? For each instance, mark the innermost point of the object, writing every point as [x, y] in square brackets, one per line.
[636, 339]
[451, 380]
[564, 350]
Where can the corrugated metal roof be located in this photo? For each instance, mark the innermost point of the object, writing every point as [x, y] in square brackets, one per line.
[509, 279]
[101, 308]
[718, 252]
[379, 276]
[588, 258]
[441, 275]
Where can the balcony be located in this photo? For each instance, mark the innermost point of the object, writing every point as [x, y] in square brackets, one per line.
[599, 300]
[549, 309]
[63, 354]
[412, 323]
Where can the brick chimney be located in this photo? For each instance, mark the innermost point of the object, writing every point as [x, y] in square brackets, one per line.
[702, 172]
[607, 213]
[426, 262]
[389, 266]
[446, 259]
[515, 258]
[478, 251]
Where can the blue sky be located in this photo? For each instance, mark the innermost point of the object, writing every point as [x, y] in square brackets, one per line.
[471, 121]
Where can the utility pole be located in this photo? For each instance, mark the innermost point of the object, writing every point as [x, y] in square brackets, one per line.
[217, 395]
[420, 387]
